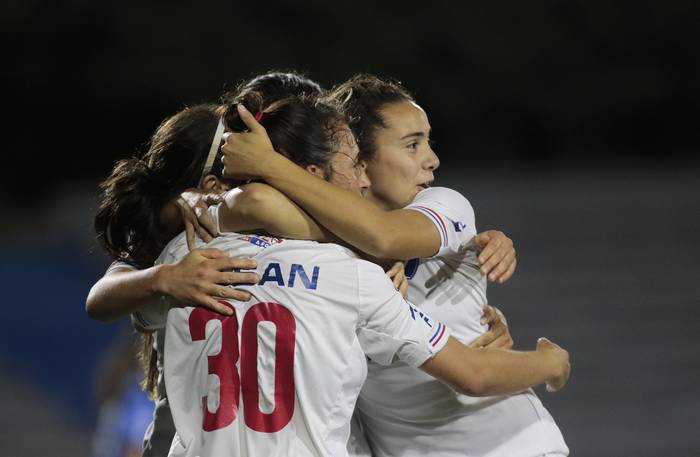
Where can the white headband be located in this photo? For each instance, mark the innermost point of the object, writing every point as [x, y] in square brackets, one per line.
[213, 149]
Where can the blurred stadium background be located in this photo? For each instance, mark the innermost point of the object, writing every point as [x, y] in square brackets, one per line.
[572, 126]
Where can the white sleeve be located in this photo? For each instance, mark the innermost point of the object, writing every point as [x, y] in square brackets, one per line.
[452, 215]
[119, 265]
[391, 328]
[214, 214]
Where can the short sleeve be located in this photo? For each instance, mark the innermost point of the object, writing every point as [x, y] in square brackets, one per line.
[214, 214]
[119, 265]
[391, 328]
[452, 215]
[153, 315]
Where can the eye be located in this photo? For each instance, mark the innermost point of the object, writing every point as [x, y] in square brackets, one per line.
[413, 145]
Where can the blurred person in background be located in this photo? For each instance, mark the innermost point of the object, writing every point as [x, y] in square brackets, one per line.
[124, 408]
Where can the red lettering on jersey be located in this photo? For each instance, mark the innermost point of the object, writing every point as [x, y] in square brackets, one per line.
[223, 365]
[285, 334]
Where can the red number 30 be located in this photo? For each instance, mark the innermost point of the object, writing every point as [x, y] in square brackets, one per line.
[223, 365]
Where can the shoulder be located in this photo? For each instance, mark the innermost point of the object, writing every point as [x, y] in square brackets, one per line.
[445, 201]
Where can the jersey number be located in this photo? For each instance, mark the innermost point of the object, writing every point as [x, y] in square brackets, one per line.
[223, 365]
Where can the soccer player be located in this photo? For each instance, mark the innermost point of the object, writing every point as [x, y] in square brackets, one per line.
[406, 413]
[134, 229]
[281, 374]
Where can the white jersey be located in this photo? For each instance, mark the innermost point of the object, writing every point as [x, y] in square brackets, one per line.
[281, 376]
[408, 413]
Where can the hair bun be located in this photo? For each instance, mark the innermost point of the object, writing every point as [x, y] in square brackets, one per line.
[253, 102]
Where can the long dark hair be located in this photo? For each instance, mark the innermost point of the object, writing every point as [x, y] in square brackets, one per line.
[128, 220]
[361, 98]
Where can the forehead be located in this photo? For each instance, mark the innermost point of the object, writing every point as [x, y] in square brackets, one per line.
[405, 117]
[346, 142]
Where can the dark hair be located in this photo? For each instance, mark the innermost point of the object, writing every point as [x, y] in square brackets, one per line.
[128, 220]
[304, 129]
[276, 85]
[361, 99]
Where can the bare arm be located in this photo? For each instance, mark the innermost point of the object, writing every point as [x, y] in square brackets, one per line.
[398, 234]
[486, 371]
[199, 276]
[257, 206]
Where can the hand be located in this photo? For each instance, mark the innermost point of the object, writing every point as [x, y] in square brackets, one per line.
[245, 155]
[562, 365]
[193, 205]
[203, 274]
[397, 274]
[498, 335]
[497, 256]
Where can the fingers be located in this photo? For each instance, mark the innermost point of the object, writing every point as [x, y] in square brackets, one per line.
[214, 305]
[498, 248]
[483, 340]
[481, 240]
[189, 234]
[234, 278]
[391, 272]
[207, 224]
[213, 253]
[212, 198]
[399, 279]
[493, 338]
[508, 274]
[502, 265]
[248, 119]
[229, 263]
[403, 288]
[489, 315]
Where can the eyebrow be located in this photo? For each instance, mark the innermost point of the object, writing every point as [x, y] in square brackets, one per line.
[414, 134]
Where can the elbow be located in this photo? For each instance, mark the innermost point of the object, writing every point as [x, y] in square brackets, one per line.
[474, 387]
[255, 200]
[380, 246]
[475, 383]
[93, 309]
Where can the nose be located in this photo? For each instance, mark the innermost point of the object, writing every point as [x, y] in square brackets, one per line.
[432, 162]
[363, 180]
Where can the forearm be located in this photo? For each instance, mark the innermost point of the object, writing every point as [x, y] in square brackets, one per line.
[380, 233]
[487, 371]
[118, 294]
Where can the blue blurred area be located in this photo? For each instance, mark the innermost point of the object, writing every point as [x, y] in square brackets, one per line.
[48, 338]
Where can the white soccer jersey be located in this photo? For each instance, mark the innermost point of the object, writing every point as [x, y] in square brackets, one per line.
[406, 412]
[281, 376]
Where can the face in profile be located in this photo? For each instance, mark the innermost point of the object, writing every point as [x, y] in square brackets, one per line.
[346, 171]
[404, 161]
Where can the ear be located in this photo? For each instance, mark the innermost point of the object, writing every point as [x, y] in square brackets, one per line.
[315, 170]
[212, 183]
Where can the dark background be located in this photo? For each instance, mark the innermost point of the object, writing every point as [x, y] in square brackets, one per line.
[572, 126]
